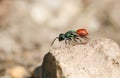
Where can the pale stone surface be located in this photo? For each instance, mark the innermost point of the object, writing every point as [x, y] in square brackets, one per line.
[99, 58]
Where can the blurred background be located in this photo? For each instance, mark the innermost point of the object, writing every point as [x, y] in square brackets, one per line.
[27, 28]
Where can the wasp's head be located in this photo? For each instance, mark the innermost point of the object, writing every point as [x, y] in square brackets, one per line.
[61, 37]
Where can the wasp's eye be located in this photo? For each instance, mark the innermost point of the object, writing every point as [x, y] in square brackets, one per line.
[61, 37]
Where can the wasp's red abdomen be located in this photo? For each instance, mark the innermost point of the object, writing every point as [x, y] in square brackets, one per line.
[82, 32]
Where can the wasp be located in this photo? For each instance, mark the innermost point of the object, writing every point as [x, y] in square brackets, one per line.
[69, 35]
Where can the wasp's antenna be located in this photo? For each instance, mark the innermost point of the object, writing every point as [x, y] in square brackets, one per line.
[54, 41]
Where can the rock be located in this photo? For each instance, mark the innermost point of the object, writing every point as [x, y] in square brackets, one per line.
[37, 73]
[99, 58]
[17, 72]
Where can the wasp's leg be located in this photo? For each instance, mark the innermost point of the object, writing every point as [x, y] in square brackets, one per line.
[75, 40]
[78, 39]
[69, 41]
[66, 41]
[86, 38]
